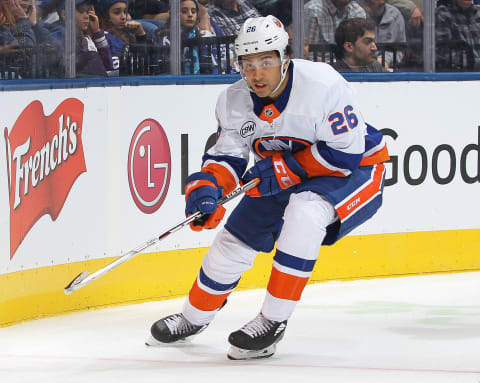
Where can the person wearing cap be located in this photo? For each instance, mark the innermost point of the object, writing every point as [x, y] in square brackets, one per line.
[318, 175]
[93, 55]
[118, 30]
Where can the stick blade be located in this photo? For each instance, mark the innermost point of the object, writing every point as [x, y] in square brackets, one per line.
[76, 283]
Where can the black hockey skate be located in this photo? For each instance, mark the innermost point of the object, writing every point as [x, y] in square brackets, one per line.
[257, 339]
[172, 328]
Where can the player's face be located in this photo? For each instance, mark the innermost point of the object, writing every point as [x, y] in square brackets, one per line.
[365, 49]
[118, 15]
[263, 73]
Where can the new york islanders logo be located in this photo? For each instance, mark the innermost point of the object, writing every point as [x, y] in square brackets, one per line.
[44, 158]
[268, 146]
[277, 23]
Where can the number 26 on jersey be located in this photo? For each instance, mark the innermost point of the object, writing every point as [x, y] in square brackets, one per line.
[341, 122]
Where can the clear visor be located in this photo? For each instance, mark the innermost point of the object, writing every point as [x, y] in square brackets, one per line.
[248, 64]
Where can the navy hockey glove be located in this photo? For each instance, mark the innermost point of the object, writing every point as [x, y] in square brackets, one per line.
[201, 194]
[276, 173]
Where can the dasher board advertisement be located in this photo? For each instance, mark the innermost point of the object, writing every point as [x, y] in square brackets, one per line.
[91, 173]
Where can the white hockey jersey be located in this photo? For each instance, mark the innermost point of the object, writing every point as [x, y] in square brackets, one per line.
[316, 117]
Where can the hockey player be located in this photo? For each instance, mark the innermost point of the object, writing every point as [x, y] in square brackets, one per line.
[321, 175]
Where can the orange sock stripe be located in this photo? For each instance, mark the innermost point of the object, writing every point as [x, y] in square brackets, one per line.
[225, 179]
[364, 195]
[204, 301]
[286, 286]
[191, 186]
[376, 158]
[314, 168]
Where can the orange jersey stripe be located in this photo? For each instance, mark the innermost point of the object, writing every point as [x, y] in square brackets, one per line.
[358, 200]
[314, 168]
[286, 286]
[204, 301]
[225, 179]
[377, 157]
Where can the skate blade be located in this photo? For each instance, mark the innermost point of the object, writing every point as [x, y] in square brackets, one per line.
[236, 353]
[152, 342]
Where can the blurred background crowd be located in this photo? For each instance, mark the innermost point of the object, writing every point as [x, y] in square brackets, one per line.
[137, 37]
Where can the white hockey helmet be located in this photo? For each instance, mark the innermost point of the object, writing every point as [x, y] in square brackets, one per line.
[262, 34]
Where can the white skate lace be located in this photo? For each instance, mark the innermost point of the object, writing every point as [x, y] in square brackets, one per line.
[177, 324]
[258, 326]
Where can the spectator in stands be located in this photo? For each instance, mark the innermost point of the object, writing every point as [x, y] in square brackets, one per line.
[152, 14]
[356, 49]
[16, 33]
[230, 15]
[389, 26]
[93, 55]
[48, 12]
[93, 52]
[20, 27]
[118, 31]
[457, 25]
[322, 17]
[410, 11]
[148, 9]
[281, 9]
[40, 29]
[15, 27]
[195, 22]
[57, 28]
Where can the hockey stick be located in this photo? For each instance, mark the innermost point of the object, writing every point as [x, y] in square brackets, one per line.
[84, 278]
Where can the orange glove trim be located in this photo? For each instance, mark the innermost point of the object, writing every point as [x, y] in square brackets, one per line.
[212, 221]
[225, 179]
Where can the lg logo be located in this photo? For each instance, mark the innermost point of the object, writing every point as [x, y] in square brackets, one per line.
[149, 166]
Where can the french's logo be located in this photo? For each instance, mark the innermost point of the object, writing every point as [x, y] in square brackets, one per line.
[44, 158]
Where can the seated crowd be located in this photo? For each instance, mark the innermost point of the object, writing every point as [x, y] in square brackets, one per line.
[351, 35]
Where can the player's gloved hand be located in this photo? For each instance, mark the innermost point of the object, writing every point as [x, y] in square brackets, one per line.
[201, 194]
[276, 173]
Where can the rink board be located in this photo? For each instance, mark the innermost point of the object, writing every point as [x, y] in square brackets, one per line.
[117, 158]
[38, 293]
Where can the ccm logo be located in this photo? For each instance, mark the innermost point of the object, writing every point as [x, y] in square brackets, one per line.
[352, 204]
[284, 178]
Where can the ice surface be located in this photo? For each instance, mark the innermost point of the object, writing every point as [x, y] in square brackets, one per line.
[408, 329]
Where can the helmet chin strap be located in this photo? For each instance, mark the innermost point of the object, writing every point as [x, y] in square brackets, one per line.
[284, 73]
